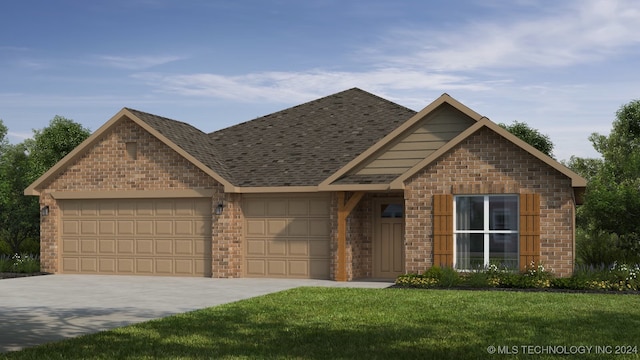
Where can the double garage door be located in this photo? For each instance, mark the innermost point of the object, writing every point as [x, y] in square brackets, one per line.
[287, 236]
[137, 236]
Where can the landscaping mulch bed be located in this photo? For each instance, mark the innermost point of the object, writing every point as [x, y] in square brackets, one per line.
[5, 275]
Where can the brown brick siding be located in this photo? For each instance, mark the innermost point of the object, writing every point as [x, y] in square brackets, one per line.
[487, 163]
[107, 167]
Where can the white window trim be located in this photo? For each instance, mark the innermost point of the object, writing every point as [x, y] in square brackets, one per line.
[486, 232]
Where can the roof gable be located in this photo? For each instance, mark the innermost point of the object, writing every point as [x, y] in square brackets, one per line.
[152, 124]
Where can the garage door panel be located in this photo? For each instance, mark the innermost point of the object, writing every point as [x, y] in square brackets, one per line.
[184, 247]
[125, 246]
[89, 246]
[298, 207]
[125, 227]
[319, 207]
[202, 228]
[254, 208]
[164, 266]
[256, 247]
[107, 227]
[71, 264]
[276, 267]
[184, 227]
[88, 209]
[287, 236]
[298, 248]
[319, 248]
[144, 266]
[144, 208]
[202, 248]
[71, 246]
[277, 248]
[89, 227]
[299, 268]
[319, 269]
[144, 246]
[298, 227]
[256, 267]
[107, 246]
[126, 266]
[164, 227]
[276, 226]
[164, 247]
[70, 227]
[277, 208]
[184, 266]
[126, 208]
[256, 227]
[144, 227]
[107, 208]
[164, 208]
[319, 227]
[107, 265]
[88, 265]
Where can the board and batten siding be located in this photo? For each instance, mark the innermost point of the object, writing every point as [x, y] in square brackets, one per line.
[430, 134]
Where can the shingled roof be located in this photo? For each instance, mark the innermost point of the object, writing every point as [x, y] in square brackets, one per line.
[303, 145]
[189, 138]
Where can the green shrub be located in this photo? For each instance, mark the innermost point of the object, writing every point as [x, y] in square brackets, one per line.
[449, 278]
[26, 263]
[6, 263]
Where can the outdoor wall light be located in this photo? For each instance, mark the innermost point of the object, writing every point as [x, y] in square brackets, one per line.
[45, 210]
[219, 208]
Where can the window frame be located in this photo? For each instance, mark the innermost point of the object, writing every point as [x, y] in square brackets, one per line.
[486, 232]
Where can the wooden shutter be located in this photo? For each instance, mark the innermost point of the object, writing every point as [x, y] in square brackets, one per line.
[443, 230]
[529, 230]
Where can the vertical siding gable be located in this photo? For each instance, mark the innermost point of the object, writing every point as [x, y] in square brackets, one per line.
[417, 143]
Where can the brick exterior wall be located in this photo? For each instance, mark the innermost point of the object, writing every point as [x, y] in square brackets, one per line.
[106, 166]
[486, 163]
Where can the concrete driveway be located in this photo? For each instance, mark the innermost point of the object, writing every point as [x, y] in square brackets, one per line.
[40, 309]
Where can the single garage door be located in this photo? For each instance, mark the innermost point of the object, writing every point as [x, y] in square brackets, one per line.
[287, 236]
[137, 237]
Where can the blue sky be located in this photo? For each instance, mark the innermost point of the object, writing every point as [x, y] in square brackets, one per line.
[563, 67]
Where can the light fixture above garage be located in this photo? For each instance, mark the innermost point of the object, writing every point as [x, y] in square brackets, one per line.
[45, 210]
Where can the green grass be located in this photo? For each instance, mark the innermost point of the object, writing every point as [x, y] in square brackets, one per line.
[335, 323]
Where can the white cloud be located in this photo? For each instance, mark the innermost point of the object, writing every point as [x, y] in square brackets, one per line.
[136, 62]
[583, 31]
[290, 87]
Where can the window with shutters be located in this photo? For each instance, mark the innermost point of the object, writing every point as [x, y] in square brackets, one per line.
[486, 231]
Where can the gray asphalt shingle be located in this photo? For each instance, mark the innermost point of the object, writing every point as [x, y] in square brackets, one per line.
[299, 146]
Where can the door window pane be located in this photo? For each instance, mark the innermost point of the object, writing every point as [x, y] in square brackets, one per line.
[391, 210]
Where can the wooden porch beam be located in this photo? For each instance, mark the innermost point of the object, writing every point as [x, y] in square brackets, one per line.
[344, 209]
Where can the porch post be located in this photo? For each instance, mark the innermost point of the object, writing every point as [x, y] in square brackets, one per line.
[344, 209]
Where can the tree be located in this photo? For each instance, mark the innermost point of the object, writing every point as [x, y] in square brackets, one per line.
[20, 165]
[54, 142]
[531, 136]
[612, 199]
[19, 215]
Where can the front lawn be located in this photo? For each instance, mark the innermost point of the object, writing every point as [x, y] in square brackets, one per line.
[338, 323]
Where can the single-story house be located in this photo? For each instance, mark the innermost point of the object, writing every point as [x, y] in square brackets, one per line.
[348, 186]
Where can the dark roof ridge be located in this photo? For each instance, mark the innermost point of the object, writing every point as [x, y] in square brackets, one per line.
[309, 103]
